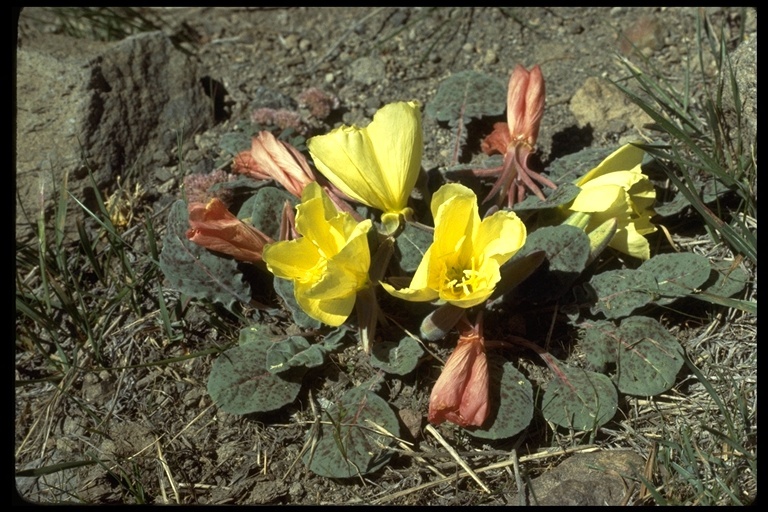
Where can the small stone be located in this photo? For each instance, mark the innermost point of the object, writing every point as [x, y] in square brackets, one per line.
[368, 70]
[296, 490]
[290, 41]
[490, 57]
[329, 78]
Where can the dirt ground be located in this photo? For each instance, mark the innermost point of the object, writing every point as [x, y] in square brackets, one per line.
[157, 423]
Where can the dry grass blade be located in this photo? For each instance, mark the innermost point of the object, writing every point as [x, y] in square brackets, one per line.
[406, 446]
[458, 458]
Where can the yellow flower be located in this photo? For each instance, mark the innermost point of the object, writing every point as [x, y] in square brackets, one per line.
[617, 188]
[377, 165]
[329, 263]
[461, 266]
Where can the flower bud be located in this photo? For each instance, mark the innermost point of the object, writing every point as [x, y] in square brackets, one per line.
[272, 158]
[214, 227]
[461, 392]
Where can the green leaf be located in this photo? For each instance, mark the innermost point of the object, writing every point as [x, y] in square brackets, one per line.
[261, 332]
[648, 357]
[412, 243]
[583, 400]
[291, 353]
[196, 271]
[398, 358]
[677, 274]
[284, 288]
[264, 210]
[297, 352]
[598, 341]
[240, 383]
[620, 292]
[517, 270]
[567, 249]
[348, 445]
[467, 95]
[730, 280]
[233, 143]
[511, 401]
[561, 196]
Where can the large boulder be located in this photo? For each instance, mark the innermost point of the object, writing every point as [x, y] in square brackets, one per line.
[109, 108]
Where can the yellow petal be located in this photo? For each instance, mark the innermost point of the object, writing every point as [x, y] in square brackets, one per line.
[333, 312]
[411, 294]
[377, 165]
[312, 220]
[396, 138]
[345, 157]
[629, 241]
[623, 159]
[500, 236]
[292, 259]
[454, 208]
[597, 198]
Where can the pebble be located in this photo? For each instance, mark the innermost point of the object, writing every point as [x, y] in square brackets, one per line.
[490, 57]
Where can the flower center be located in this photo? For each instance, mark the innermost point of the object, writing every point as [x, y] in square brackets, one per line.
[460, 282]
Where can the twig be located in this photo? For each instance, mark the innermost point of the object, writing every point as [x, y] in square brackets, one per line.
[458, 458]
[499, 465]
[405, 446]
[167, 470]
[518, 478]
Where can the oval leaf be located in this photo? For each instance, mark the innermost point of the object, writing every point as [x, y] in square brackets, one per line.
[240, 383]
[284, 288]
[348, 445]
[567, 249]
[291, 353]
[397, 358]
[562, 195]
[648, 357]
[599, 342]
[677, 275]
[620, 292]
[583, 401]
[264, 209]
[466, 95]
[412, 243]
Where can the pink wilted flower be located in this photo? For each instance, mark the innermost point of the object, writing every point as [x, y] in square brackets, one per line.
[460, 394]
[516, 139]
[273, 158]
[214, 227]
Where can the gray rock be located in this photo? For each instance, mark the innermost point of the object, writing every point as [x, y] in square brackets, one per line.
[107, 108]
[744, 62]
[368, 70]
[586, 479]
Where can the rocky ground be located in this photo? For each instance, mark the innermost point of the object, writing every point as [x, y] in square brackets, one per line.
[139, 113]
